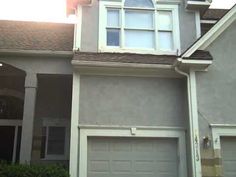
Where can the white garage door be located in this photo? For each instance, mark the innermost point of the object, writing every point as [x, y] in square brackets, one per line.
[132, 157]
[228, 147]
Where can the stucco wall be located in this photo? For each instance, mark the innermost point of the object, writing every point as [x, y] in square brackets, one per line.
[111, 100]
[216, 89]
[40, 64]
[90, 24]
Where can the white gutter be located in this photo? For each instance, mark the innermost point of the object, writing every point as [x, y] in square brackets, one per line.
[193, 120]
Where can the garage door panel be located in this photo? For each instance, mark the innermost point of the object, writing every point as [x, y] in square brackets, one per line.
[230, 166]
[228, 150]
[132, 157]
[121, 166]
[99, 166]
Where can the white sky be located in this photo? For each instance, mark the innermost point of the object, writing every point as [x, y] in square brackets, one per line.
[54, 10]
[222, 4]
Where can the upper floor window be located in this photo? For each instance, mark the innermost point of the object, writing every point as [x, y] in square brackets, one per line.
[139, 26]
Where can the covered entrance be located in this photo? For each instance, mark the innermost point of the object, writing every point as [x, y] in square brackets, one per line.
[11, 112]
[10, 137]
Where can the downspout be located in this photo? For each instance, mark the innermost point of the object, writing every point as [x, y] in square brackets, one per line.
[193, 120]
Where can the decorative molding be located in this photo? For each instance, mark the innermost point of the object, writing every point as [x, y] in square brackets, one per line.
[221, 130]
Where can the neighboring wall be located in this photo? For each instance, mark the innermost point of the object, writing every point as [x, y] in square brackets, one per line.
[216, 89]
[113, 100]
[90, 24]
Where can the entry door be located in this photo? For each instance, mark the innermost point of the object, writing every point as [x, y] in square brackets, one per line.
[7, 134]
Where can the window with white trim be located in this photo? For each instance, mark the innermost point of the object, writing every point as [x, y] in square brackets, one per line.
[54, 141]
[138, 26]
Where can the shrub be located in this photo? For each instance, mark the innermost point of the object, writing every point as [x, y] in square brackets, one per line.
[18, 170]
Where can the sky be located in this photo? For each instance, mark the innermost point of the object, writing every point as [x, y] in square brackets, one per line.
[55, 10]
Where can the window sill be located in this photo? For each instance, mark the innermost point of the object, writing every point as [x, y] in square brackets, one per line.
[137, 51]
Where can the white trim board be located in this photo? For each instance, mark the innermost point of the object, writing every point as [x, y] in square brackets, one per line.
[213, 33]
[88, 131]
[221, 130]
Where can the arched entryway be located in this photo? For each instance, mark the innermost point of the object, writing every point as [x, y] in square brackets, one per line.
[11, 111]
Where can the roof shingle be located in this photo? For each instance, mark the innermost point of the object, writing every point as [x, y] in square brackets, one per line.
[36, 36]
[214, 14]
[125, 58]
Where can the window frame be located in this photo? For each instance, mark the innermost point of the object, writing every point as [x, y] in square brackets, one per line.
[47, 123]
[102, 46]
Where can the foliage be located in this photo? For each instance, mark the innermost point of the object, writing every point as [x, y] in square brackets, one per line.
[18, 170]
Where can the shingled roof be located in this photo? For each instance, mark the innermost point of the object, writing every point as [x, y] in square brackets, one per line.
[214, 14]
[22, 35]
[124, 58]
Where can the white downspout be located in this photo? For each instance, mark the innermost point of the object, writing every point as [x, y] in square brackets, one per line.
[193, 121]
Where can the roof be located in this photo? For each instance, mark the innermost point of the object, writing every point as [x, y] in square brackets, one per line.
[200, 55]
[214, 14]
[203, 42]
[23, 35]
[125, 58]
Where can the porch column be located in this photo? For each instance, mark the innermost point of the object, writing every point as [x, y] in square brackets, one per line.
[28, 117]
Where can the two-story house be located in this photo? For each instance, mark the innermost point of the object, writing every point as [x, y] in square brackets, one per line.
[133, 86]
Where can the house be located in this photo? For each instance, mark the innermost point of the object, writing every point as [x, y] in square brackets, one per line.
[148, 97]
[35, 91]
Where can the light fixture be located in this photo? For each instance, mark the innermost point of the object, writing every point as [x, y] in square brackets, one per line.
[206, 142]
[0, 64]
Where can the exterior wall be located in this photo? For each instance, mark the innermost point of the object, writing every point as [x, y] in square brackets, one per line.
[187, 25]
[90, 24]
[216, 89]
[40, 64]
[89, 31]
[113, 100]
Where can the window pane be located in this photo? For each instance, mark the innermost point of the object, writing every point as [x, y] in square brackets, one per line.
[165, 40]
[139, 3]
[43, 142]
[165, 20]
[134, 19]
[56, 140]
[113, 18]
[113, 37]
[139, 39]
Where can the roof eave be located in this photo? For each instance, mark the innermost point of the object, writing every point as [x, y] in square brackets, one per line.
[20, 52]
[196, 64]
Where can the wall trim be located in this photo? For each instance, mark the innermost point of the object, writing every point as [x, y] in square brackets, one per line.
[221, 130]
[74, 132]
